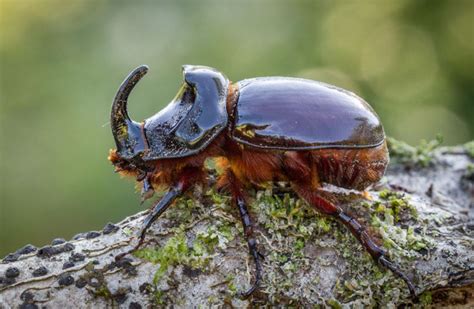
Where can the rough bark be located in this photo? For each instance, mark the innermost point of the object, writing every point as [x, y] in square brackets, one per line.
[196, 254]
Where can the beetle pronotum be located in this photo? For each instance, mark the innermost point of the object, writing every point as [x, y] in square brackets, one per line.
[259, 130]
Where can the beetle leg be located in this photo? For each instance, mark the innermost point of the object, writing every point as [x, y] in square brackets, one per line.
[324, 204]
[238, 199]
[252, 243]
[147, 190]
[175, 191]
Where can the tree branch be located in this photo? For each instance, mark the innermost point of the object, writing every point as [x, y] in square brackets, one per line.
[196, 253]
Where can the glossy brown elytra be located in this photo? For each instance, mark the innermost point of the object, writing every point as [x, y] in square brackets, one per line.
[258, 130]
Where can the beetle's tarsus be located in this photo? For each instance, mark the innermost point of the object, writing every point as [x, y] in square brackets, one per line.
[249, 292]
[157, 210]
[395, 270]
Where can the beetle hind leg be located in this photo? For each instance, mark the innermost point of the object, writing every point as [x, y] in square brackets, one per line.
[322, 202]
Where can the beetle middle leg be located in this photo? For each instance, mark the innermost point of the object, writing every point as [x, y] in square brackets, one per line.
[322, 202]
[239, 200]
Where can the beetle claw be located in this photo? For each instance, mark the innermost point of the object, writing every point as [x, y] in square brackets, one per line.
[249, 292]
[147, 190]
[390, 265]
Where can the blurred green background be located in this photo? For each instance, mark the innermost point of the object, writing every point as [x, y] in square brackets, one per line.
[62, 61]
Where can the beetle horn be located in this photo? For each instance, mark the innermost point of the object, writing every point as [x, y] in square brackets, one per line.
[127, 133]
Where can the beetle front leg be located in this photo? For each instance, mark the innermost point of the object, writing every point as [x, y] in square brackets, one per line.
[160, 207]
[324, 205]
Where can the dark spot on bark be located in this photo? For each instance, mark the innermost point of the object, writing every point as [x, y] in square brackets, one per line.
[41, 271]
[79, 236]
[65, 280]
[134, 305]
[68, 264]
[93, 234]
[126, 264]
[58, 241]
[470, 225]
[12, 257]
[95, 262]
[49, 251]
[81, 282]
[12, 272]
[423, 251]
[191, 272]
[28, 306]
[27, 296]
[7, 281]
[94, 282]
[145, 288]
[77, 257]
[110, 228]
[429, 192]
[121, 296]
[26, 249]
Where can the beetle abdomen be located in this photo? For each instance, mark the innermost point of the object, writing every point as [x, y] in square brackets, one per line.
[351, 168]
[295, 114]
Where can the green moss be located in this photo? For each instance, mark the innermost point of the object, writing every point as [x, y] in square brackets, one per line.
[426, 298]
[103, 291]
[469, 173]
[421, 155]
[333, 303]
[176, 250]
[158, 297]
[403, 242]
[398, 205]
[127, 231]
[469, 148]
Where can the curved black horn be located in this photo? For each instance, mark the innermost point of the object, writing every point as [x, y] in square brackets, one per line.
[126, 131]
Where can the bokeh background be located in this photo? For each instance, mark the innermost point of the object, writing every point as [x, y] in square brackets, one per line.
[62, 61]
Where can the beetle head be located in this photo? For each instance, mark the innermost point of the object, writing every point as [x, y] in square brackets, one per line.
[184, 127]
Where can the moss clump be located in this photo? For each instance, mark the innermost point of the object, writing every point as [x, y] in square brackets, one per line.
[103, 291]
[333, 303]
[469, 173]
[176, 251]
[290, 216]
[420, 156]
[395, 204]
[426, 298]
[392, 208]
[469, 148]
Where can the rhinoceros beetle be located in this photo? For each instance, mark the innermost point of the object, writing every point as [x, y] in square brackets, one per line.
[261, 129]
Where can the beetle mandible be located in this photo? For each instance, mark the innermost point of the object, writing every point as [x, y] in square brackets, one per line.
[261, 129]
